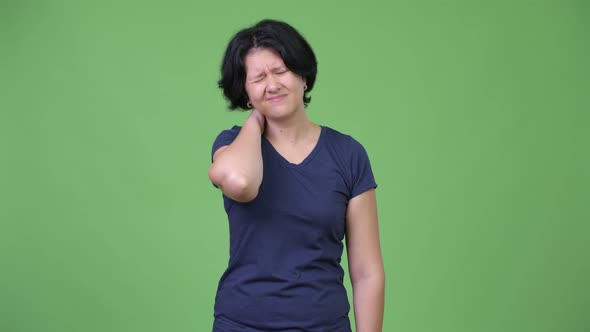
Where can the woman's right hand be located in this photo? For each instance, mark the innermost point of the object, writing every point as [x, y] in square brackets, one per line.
[259, 118]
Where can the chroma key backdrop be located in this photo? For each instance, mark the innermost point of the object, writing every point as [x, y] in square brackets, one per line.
[474, 115]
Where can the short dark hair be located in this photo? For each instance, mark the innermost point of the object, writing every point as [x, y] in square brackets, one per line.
[295, 51]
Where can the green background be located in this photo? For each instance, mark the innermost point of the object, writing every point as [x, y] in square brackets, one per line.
[474, 114]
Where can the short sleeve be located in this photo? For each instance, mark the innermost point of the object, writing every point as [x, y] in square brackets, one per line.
[224, 138]
[361, 171]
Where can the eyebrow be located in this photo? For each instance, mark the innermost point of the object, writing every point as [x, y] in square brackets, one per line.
[275, 68]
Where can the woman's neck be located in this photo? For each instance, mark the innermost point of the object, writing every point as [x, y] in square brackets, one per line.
[293, 130]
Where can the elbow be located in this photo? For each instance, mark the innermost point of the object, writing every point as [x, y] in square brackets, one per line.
[375, 282]
[234, 185]
[239, 188]
[374, 276]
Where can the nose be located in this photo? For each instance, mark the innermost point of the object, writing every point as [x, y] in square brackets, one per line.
[273, 84]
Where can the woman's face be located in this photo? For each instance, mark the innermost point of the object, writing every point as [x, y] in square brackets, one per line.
[272, 89]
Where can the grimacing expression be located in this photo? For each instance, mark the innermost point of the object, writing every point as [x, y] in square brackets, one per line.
[272, 88]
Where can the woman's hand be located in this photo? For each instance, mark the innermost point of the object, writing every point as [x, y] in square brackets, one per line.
[259, 118]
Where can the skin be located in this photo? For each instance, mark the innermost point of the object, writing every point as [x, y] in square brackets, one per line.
[365, 264]
[276, 95]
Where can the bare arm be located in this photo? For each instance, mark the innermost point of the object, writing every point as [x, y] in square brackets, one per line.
[237, 168]
[365, 263]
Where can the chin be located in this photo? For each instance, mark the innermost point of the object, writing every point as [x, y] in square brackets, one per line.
[279, 111]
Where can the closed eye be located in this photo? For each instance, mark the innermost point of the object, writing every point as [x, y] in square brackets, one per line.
[256, 79]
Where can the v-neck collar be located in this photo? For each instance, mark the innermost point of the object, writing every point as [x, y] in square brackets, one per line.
[306, 160]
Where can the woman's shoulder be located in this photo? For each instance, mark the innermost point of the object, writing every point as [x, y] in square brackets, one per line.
[338, 138]
[232, 132]
[335, 134]
[225, 137]
[235, 129]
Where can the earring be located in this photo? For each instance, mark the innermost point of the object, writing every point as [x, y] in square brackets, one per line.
[304, 87]
[249, 105]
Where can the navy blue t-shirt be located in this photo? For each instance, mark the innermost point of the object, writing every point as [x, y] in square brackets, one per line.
[284, 270]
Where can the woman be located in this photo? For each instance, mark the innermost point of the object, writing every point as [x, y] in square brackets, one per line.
[292, 190]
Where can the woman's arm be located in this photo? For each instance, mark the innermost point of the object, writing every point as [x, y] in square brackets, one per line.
[365, 263]
[237, 168]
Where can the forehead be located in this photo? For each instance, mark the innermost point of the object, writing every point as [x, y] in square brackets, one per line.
[258, 59]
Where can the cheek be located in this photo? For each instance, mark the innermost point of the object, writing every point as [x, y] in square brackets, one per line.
[296, 86]
[254, 92]
[296, 83]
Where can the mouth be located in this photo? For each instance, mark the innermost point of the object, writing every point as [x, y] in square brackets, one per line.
[276, 99]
